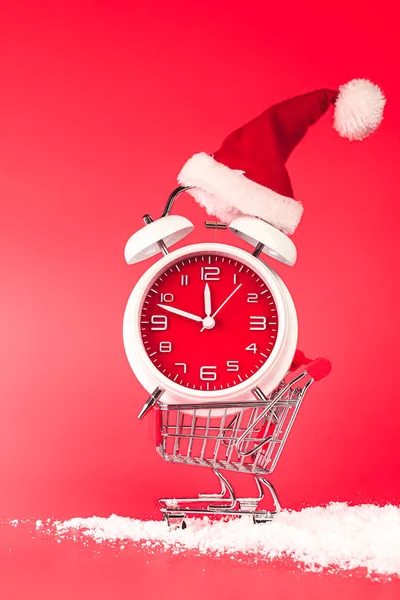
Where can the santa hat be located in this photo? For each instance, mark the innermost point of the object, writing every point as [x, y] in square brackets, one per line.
[247, 175]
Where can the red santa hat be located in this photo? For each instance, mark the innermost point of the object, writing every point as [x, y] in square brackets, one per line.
[248, 174]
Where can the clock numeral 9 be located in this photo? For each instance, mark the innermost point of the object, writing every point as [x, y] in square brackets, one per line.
[166, 298]
[165, 346]
[210, 273]
[258, 323]
[207, 373]
[159, 323]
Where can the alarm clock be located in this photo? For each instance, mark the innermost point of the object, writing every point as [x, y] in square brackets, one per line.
[210, 321]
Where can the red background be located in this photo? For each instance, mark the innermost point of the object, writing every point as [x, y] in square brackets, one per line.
[100, 105]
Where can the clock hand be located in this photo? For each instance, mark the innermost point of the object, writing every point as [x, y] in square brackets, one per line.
[182, 313]
[207, 300]
[224, 302]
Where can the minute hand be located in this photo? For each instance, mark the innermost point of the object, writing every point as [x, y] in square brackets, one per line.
[182, 313]
[225, 301]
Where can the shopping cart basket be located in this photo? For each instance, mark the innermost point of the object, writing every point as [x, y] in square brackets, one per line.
[250, 441]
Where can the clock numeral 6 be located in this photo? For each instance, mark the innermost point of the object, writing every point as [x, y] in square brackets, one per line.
[232, 365]
[207, 373]
[210, 273]
[166, 298]
[165, 346]
[159, 323]
[258, 323]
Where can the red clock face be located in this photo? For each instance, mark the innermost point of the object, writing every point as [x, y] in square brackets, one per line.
[209, 322]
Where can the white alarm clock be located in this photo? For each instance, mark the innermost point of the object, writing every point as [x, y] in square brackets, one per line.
[209, 321]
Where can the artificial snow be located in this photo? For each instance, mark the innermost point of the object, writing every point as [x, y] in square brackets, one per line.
[337, 536]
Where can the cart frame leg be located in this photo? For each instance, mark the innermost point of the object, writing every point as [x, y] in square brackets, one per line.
[223, 503]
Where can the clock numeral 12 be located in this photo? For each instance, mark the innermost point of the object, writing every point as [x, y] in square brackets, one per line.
[210, 273]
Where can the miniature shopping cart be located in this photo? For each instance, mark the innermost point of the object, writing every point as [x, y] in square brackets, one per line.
[245, 437]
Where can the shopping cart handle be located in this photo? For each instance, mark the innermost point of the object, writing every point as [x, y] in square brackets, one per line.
[299, 360]
[319, 368]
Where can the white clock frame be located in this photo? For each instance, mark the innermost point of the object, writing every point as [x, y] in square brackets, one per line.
[267, 378]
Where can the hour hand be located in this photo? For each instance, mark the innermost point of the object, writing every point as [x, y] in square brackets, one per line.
[207, 300]
[182, 313]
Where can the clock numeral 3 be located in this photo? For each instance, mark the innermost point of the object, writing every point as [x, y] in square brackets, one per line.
[165, 346]
[258, 323]
[159, 323]
[210, 273]
[207, 373]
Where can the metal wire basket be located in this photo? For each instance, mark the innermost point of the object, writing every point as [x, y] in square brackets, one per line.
[250, 441]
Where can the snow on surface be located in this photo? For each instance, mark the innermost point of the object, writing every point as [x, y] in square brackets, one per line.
[338, 536]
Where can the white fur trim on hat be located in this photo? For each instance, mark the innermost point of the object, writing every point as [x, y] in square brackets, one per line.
[227, 193]
[358, 109]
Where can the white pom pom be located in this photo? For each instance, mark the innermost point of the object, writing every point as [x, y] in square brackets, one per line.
[358, 109]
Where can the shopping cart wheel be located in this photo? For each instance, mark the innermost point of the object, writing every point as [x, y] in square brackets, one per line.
[175, 521]
[264, 518]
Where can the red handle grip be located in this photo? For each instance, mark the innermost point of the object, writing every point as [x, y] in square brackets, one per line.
[318, 368]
